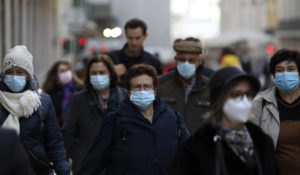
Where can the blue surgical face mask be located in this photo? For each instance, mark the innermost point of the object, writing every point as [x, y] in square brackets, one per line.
[100, 82]
[186, 70]
[15, 83]
[287, 81]
[142, 99]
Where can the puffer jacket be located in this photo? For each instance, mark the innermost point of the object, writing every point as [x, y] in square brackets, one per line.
[266, 114]
[193, 106]
[129, 144]
[46, 140]
[40, 132]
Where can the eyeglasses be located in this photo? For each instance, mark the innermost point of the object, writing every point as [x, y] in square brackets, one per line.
[142, 87]
[191, 60]
[240, 94]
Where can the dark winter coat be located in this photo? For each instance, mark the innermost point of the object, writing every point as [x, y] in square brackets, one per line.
[56, 95]
[197, 155]
[129, 144]
[13, 158]
[84, 119]
[192, 107]
[120, 57]
[46, 140]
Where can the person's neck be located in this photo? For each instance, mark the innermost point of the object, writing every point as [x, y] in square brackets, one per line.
[148, 113]
[228, 124]
[290, 97]
[132, 53]
[104, 94]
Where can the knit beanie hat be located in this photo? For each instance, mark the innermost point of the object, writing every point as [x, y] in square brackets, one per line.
[221, 78]
[18, 56]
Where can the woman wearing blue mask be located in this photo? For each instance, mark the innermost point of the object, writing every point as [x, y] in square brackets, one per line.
[89, 107]
[30, 112]
[227, 143]
[141, 135]
[277, 109]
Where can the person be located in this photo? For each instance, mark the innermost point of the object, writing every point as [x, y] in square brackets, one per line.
[206, 71]
[89, 107]
[186, 89]
[30, 112]
[13, 159]
[141, 135]
[276, 109]
[133, 52]
[61, 84]
[229, 58]
[227, 143]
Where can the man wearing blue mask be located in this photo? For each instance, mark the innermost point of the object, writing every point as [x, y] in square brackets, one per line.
[186, 88]
[142, 135]
[277, 109]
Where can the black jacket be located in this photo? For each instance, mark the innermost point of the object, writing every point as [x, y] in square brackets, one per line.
[120, 57]
[13, 158]
[56, 95]
[197, 155]
[84, 119]
[192, 107]
[129, 144]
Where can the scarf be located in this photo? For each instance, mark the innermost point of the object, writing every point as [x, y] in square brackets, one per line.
[68, 92]
[19, 105]
[240, 143]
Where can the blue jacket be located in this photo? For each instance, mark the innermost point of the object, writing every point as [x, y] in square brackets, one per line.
[47, 142]
[129, 144]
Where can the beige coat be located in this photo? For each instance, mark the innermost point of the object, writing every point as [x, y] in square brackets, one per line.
[266, 114]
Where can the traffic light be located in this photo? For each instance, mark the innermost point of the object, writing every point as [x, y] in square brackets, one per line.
[270, 49]
[66, 45]
[82, 42]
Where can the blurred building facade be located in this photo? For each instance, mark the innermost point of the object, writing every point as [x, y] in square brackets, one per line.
[288, 32]
[33, 23]
[60, 29]
[245, 14]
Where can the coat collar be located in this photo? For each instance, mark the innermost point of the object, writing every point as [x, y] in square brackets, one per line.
[124, 53]
[200, 80]
[269, 96]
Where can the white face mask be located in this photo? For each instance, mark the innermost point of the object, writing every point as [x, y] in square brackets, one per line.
[237, 110]
[65, 77]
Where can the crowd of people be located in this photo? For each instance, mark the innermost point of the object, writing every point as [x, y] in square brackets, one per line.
[126, 118]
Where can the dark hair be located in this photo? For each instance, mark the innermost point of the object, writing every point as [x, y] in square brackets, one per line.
[51, 76]
[135, 23]
[227, 50]
[140, 69]
[114, 77]
[282, 55]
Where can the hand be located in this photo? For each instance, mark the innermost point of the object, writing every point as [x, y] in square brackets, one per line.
[121, 69]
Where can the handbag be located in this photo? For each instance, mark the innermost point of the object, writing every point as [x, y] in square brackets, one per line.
[40, 163]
